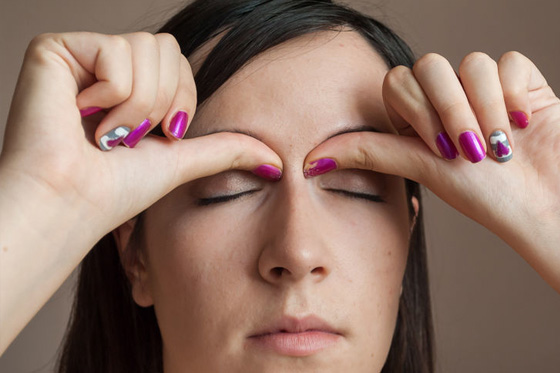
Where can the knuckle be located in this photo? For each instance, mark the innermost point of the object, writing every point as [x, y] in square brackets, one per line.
[144, 37]
[41, 39]
[142, 102]
[397, 76]
[41, 44]
[363, 155]
[429, 61]
[119, 43]
[168, 40]
[476, 61]
[163, 100]
[511, 56]
[121, 92]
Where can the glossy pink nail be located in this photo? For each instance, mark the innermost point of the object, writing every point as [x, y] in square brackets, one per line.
[135, 136]
[446, 146]
[319, 167]
[472, 147]
[519, 118]
[178, 125]
[268, 172]
[90, 111]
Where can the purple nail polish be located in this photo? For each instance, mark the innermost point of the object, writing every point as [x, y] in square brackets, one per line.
[520, 118]
[319, 167]
[178, 125]
[135, 136]
[472, 147]
[268, 172]
[90, 111]
[446, 146]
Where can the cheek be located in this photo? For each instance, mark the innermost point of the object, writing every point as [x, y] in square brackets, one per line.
[194, 262]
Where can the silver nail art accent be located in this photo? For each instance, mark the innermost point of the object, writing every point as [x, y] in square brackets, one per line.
[111, 138]
[500, 146]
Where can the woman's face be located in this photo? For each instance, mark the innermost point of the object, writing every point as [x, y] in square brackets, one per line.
[296, 275]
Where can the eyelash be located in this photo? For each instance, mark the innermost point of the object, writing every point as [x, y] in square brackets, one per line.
[227, 198]
[368, 197]
[221, 199]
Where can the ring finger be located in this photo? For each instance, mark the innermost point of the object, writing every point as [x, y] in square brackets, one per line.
[481, 81]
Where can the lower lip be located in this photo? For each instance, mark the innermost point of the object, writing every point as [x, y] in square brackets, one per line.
[296, 344]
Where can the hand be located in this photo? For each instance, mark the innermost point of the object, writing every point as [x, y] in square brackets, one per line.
[59, 193]
[133, 77]
[432, 108]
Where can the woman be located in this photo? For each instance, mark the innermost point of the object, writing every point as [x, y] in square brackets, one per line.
[293, 268]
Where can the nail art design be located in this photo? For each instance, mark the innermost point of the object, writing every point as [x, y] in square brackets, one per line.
[90, 111]
[520, 118]
[178, 125]
[500, 146]
[113, 138]
[472, 147]
[135, 136]
[319, 167]
[446, 146]
[268, 172]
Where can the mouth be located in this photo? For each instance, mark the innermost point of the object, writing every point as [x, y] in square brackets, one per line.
[291, 336]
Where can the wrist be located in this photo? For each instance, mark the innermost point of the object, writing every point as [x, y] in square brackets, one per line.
[536, 238]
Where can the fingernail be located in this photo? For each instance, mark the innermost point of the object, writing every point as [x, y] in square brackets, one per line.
[135, 136]
[90, 111]
[178, 125]
[113, 138]
[268, 172]
[520, 118]
[446, 146]
[472, 147]
[500, 146]
[319, 167]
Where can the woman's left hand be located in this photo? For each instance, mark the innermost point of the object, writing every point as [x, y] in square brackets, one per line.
[505, 176]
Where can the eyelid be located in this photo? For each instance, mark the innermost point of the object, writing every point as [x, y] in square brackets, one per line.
[224, 198]
[358, 195]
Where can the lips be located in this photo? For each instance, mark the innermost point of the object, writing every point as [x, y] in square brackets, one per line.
[292, 336]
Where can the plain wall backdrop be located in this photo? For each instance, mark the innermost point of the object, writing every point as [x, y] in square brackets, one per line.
[492, 312]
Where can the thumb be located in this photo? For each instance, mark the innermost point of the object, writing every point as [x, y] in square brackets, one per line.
[155, 166]
[404, 156]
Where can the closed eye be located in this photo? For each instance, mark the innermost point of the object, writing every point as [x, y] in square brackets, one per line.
[222, 199]
[368, 197]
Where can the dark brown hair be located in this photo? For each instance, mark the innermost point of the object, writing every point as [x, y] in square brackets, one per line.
[107, 331]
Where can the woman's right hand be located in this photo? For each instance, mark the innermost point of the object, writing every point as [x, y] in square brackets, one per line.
[59, 192]
[135, 77]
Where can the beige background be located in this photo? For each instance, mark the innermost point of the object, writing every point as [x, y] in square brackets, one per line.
[493, 313]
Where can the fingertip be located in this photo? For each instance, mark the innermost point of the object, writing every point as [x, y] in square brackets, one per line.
[319, 167]
[268, 172]
[178, 125]
[86, 112]
[134, 137]
[520, 118]
[113, 138]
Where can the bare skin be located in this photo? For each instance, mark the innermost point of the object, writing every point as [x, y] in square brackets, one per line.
[39, 255]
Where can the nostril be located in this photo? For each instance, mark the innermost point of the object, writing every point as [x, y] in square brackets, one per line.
[318, 271]
[277, 271]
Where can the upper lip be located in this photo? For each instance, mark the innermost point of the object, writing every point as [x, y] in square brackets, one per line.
[291, 324]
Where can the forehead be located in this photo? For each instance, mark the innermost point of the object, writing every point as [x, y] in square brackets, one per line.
[293, 96]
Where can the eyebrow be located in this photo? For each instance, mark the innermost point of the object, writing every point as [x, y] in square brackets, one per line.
[348, 129]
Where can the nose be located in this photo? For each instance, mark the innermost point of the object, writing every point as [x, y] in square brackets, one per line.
[295, 247]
